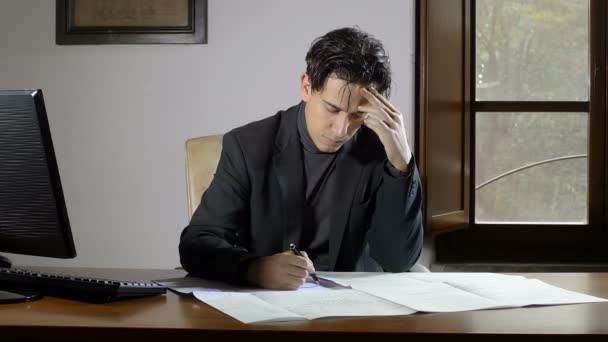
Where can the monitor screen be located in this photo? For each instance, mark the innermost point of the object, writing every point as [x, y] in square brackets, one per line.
[33, 215]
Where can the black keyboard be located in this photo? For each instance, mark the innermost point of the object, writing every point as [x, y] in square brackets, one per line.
[91, 290]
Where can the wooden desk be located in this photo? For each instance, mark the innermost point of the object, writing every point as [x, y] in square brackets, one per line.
[175, 318]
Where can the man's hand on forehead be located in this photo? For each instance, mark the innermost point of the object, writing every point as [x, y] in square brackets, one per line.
[388, 123]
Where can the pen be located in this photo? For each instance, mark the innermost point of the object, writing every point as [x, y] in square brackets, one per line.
[297, 252]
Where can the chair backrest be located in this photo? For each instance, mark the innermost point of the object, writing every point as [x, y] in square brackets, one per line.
[202, 157]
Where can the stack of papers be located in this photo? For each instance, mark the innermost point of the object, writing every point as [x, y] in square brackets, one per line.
[352, 294]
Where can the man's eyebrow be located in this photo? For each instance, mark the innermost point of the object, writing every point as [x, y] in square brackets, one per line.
[338, 108]
[333, 105]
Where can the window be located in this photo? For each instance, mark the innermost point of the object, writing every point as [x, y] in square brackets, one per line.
[531, 167]
[511, 128]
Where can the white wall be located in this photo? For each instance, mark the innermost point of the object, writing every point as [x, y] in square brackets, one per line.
[120, 114]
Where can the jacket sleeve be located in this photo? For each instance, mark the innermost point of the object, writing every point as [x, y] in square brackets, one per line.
[396, 233]
[209, 245]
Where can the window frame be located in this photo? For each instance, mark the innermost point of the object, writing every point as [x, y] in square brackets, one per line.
[529, 243]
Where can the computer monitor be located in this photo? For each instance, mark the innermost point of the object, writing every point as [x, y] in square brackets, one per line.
[33, 215]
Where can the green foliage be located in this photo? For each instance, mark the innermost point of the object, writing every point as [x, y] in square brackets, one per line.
[532, 51]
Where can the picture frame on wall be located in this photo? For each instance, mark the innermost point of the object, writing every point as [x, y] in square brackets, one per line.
[131, 22]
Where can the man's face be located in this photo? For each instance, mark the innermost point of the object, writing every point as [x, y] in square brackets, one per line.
[332, 117]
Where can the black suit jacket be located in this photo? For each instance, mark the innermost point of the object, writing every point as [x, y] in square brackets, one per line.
[253, 206]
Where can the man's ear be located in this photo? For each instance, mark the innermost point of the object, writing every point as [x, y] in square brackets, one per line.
[306, 87]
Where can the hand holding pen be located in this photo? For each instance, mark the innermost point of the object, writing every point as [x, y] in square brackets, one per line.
[283, 271]
[295, 251]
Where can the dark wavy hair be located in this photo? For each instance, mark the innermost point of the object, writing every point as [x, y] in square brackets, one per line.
[353, 56]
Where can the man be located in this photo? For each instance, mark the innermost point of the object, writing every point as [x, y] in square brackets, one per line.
[332, 175]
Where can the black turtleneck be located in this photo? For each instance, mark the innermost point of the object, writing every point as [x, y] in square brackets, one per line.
[319, 171]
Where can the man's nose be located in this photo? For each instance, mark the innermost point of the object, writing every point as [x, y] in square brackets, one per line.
[341, 126]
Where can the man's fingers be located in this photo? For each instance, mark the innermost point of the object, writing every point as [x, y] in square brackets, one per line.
[311, 266]
[297, 272]
[380, 102]
[381, 114]
[298, 261]
[383, 100]
[371, 98]
[301, 262]
[375, 124]
[294, 283]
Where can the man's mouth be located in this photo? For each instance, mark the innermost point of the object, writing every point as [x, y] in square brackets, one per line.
[336, 142]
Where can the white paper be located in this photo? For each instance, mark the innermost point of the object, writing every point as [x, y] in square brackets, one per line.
[333, 303]
[428, 296]
[346, 278]
[377, 294]
[452, 292]
[246, 307]
[254, 305]
[525, 292]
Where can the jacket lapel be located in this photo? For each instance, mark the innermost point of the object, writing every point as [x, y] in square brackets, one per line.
[289, 169]
[349, 170]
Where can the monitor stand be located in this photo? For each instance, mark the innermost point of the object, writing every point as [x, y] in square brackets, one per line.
[10, 295]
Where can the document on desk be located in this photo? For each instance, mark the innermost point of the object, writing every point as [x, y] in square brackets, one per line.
[311, 301]
[452, 292]
[379, 294]
[246, 307]
[303, 304]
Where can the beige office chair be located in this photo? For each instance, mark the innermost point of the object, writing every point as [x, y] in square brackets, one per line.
[202, 157]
